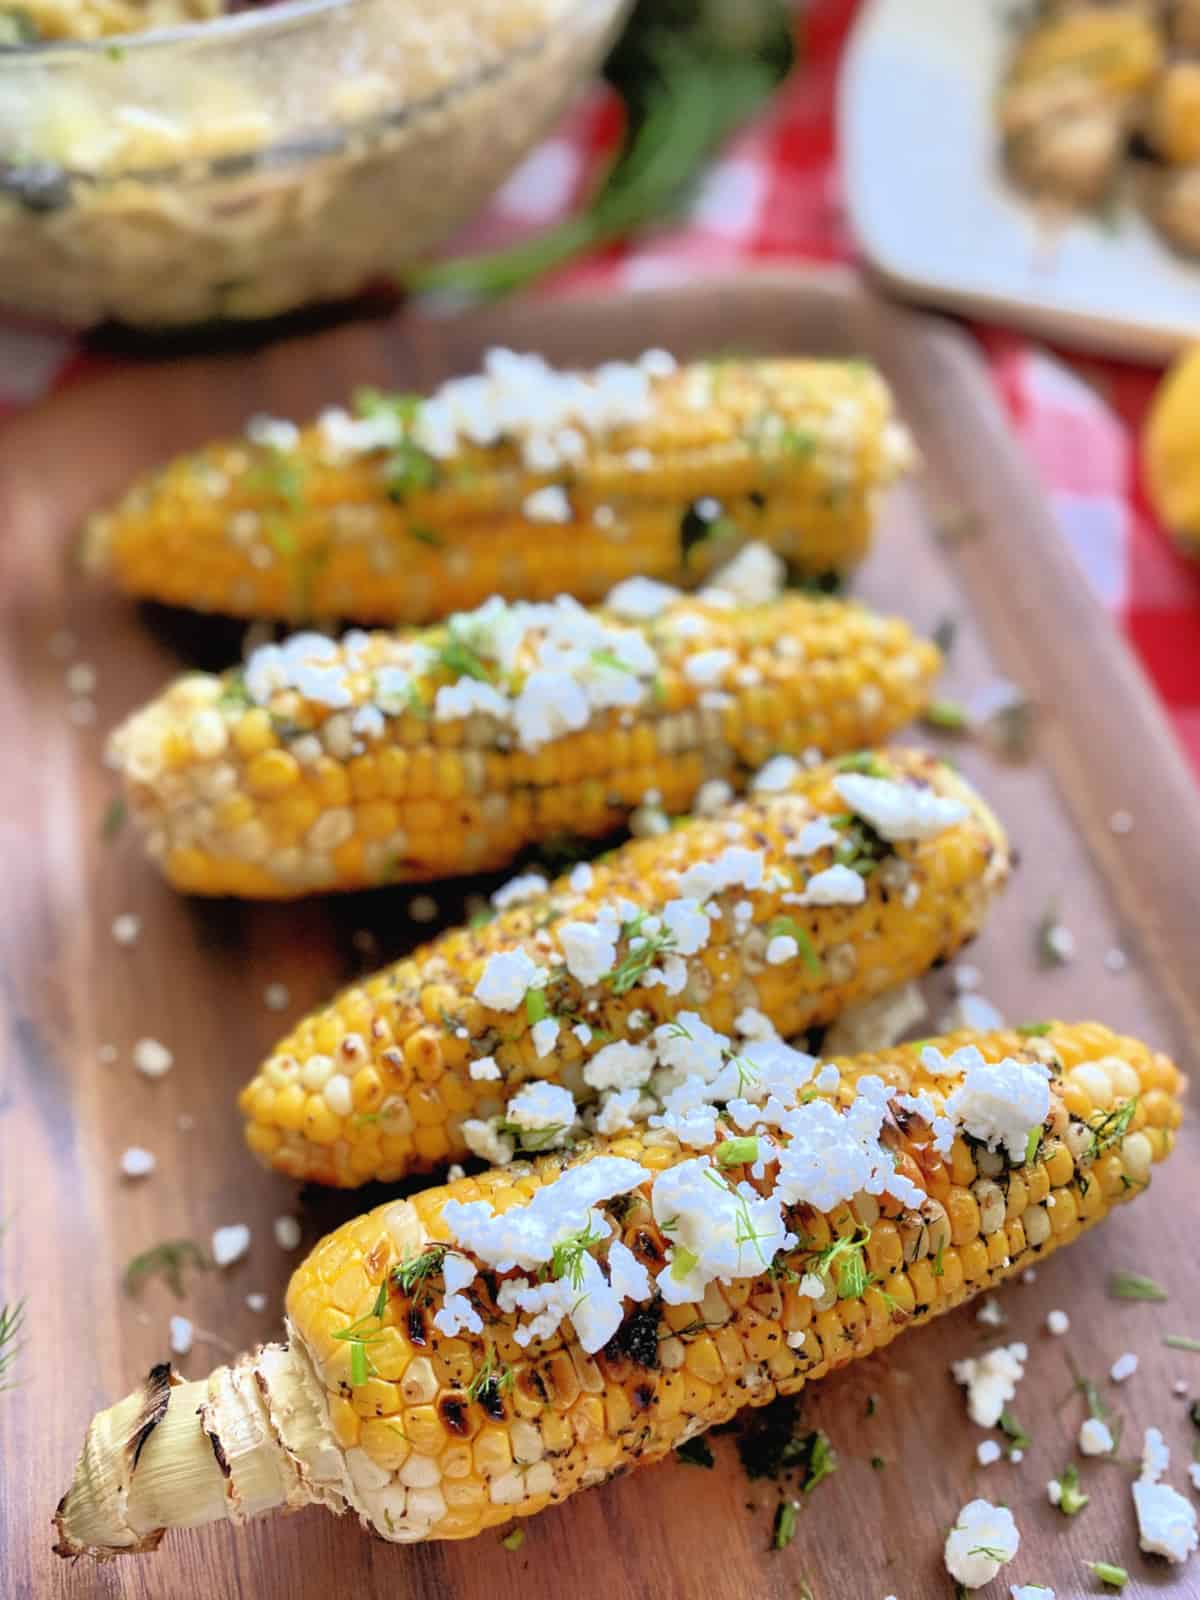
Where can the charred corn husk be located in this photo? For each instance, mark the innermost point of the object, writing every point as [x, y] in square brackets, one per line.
[398, 757]
[373, 1406]
[523, 481]
[787, 907]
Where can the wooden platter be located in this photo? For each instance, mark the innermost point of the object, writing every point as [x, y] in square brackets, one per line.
[196, 977]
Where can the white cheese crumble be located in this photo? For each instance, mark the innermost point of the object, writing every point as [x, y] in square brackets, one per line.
[483, 1138]
[544, 1109]
[548, 504]
[754, 577]
[619, 1065]
[831, 1155]
[781, 949]
[715, 1230]
[991, 1381]
[998, 1102]
[581, 876]
[1166, 1521]
[898, 811]
[620, 1110]
[991, 1313]
[506, 979]
[484, 1069]
[544, 1035]
[819, 834]
[524, 1236]
[136, 1162]
[984, 1538]
[778, 774]
[640, 599]
[590, 948]
[835, 886]
[151, 1058]
[520, 889]
[182, 1334]
[712, 797]
[1095, 1437]
[735, 868]
[287, 1233]
[687, 924]
[127, 928]
[1124, 1367]
[1030, 1591]
[707, 667]
[987, 1451]
[230, 1244]
[457, 1312]
[1057, 1323]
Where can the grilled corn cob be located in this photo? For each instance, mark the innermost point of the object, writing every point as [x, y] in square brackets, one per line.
[371, 1406]
[523, 482]
[392, 758]
[413, 1067]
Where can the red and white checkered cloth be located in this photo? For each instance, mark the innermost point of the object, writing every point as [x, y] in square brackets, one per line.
[774, 195]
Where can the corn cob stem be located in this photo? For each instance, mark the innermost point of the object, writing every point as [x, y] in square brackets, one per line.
[380, 1084]
[401, 758]
[441, 1437]
[398, 516]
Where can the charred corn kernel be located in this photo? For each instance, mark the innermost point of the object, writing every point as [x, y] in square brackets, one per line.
[426, 1064]
[338, 803]
[352, 522]
[445, 1445]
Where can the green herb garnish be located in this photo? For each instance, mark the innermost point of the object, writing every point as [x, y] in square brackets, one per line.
[409, 470]
[566, 1260]
[948, 716]
[169, 1260]
[280, 475]
[536, 1008]
[115, 817]
[785, 1525]
[416, 1269]
[492, 1375]
[683, 1260]
[1034, 1030]
[1115, 1577]
[456, 657]
[737, 1152]
[1181, 1341]
[865, 762]
[234, 694]
[1032, 1145]
[1014, 1430]
[1133, 1286]
[1111, 1128]
[514, 1538]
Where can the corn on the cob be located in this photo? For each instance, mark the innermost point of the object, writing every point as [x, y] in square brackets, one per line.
[382, 1082]
[392, 758]
[429, 1434]
[523, 482]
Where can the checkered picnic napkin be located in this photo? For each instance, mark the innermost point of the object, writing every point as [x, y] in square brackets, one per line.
[774, 195]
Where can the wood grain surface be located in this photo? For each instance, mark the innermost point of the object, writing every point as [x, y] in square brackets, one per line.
[195, 980]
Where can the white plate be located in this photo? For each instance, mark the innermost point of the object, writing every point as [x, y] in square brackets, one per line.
[936, 218]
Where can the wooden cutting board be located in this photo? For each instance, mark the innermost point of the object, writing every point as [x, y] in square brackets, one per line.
[971, 540]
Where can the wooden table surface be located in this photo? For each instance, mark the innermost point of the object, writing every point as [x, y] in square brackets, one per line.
[195, 980]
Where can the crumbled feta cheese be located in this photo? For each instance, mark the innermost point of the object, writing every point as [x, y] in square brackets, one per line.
[998, 1102]
[152, 1058]
[272, 433]
[735, 868]
[991, 1313]
[835, 886]
[707, 667]
[468, 697]
[712, 797]
[781, 949]
[1115, 959]
[590, 948]
[517, 890]
[755, 576]
[136, 1162]
[126, 928]
[983, 1539]
[1030, 1591]
[483, 1138]
[752, 1024]
[544, 1035]
[896, 810]
[987, 1451]
[1166, 1521]
[1057, 1323]
[831, 1154]
[457, 1312]
[640, 599]
[687, 924]
[287, 1233]
[277, 997]
[778, 774]
[819, 834]
[1054, 1492]
[507, 978]
[1059, 942]
[991, 1381]
[1095, 1437]
[484, 1069]
[1124, 1367]
[230, 1244]
[545, 1109]
[715, 1231]
[619, 1065]
[620, 1110]
[812, 1286]
[182, 1335]
[1194, 1474]
[524, 1236]
[548, 504]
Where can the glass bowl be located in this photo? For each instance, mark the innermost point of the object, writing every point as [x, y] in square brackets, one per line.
[270, 159]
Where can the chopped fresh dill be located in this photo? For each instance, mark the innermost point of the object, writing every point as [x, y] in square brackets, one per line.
[695, 1452]
[848, 1256]
[630, 970]
[416, 1269]
[1009, 1425]
[533, 1139]
[358, 1336]
[607, 658]
[938, 1268]
[991, 1551]
[1071, 1499]
[167, 1260]
[12, 1319]
[116, 815]
[234, 693]
[368, 402]
[1124, 1285]
[493, 1376]
[409, 469]
[457, 658]
[788, 927]
[1111, 1128]
[566, 1260]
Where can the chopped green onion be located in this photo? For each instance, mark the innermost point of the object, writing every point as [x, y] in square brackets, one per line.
[785, 1525]
[358, 1364]
[1032, 1145]
[1071, 1498]
[736, 1152]
[1180, 1341]
[1009, 1425]
[947, 715]
[863, 761]
[1115, 1577]
[1133, 1286]
[514, 1539]
[535, 1005]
